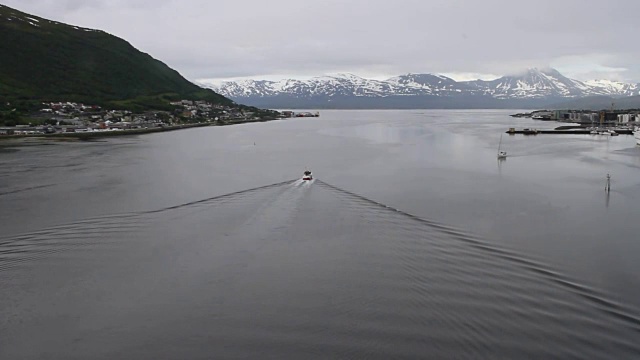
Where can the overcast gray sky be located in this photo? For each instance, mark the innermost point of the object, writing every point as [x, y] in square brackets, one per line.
[272, 39]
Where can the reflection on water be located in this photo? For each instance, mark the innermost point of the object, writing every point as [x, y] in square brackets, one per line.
[385, 133]
[501, 161]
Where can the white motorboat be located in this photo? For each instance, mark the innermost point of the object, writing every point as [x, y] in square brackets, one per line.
[307, 176]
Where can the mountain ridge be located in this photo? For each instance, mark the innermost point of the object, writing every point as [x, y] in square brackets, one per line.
[532, 88]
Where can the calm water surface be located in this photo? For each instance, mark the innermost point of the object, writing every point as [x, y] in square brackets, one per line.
[412, 242]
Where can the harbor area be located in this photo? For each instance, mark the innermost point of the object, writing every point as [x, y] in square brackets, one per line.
[574, 130]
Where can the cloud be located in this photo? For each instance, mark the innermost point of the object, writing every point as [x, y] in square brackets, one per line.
[254, 38]
[590, 66]
[53, 7]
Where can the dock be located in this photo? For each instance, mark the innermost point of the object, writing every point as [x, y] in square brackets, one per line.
[566, 132]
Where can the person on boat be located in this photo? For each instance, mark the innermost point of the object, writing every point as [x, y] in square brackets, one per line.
[307, 175]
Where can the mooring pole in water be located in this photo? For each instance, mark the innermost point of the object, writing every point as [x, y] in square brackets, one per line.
[607, 188]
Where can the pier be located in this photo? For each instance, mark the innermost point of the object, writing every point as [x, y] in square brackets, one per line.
[566, 132]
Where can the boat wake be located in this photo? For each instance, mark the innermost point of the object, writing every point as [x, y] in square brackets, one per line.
[301, 182]
[283, 269]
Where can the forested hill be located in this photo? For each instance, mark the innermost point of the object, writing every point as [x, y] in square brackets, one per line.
[42, 59]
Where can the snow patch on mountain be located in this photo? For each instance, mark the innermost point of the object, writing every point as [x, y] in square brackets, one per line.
[11, 15]
[614, 87]
[531, 84]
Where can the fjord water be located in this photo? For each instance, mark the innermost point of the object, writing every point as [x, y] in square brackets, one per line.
[412, 242]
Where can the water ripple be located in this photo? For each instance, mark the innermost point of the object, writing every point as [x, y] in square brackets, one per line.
[292, 270]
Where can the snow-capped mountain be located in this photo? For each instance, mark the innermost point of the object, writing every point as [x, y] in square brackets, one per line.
[339, 85]
[428, 84]
[532, 86]
[533, 83]
[608, 87]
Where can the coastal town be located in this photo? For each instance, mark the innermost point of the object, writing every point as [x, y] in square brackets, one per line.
[605, 122]
[586, 117]
[74, 118]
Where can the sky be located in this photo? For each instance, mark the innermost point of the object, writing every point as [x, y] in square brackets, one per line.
[211, 41]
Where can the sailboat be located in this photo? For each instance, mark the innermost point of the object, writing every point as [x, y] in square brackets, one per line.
[501, 154]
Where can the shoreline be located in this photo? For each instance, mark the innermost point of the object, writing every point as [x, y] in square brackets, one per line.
[100, 134]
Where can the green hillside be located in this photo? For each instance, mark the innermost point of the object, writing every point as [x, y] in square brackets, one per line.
[46, 60]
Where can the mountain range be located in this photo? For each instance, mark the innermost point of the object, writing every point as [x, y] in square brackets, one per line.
[533, 88]
[44, 60]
